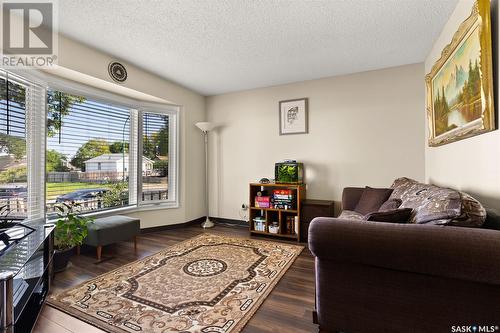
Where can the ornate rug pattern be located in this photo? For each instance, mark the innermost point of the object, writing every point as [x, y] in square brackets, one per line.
[206, 284]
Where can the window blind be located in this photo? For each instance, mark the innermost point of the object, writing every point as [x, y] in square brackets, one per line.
[133, 159]
[22, 118]
[36, 124]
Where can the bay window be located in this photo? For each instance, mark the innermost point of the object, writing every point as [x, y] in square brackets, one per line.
[69, 143]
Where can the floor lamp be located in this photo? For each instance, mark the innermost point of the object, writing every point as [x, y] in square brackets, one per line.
[206, 127]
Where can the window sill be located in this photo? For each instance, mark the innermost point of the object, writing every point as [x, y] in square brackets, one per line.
[156, 206]
[130, 209]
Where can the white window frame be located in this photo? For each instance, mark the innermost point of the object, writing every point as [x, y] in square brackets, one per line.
[173, 159]
[50, 82]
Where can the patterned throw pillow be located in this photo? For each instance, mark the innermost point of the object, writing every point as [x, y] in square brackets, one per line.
[429, 202]
[438, 205]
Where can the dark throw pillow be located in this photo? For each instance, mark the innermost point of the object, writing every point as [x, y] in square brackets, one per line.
[371, 199]
[401, 215]
[390, 204]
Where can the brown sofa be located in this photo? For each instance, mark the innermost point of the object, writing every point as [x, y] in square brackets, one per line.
[394, 277]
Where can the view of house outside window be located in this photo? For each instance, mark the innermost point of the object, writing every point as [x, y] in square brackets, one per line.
[87, 157]
[13, 167]
[87, 153]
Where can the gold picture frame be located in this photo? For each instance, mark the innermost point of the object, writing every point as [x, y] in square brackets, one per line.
[459, 101]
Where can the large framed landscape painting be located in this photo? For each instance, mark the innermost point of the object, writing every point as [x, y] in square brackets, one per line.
[460, 84]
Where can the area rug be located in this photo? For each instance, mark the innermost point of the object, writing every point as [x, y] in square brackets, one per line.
[206, 284]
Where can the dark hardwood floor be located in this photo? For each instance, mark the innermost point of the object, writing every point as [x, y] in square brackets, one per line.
[287, 309]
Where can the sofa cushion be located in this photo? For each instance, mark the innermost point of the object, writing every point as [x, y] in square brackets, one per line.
[350, 215]
[390, 204]
[372, 199]
[401, 215]
[429, 202]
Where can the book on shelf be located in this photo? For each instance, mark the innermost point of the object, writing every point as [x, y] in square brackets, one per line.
[283, 197]
[262, 202]
[282, 192]
[283, 200]
[283, 204]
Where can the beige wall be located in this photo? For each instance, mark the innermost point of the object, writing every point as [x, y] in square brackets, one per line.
[82, 59]
[364, 129]
[472, 165]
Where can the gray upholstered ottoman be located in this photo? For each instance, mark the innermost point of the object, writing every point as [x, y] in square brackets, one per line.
[112, 229]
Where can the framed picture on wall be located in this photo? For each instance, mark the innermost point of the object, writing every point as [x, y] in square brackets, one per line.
[459, 93]
[293, 116]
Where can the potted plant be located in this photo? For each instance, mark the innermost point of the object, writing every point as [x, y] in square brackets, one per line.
[71, 230]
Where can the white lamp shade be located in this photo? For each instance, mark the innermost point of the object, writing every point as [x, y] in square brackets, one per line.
[205, 126]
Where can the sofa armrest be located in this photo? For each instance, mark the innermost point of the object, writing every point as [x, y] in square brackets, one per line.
[453, 252]
[351, 196]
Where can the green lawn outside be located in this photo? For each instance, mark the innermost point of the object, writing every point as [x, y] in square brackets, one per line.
[56, 189]
[53, 190]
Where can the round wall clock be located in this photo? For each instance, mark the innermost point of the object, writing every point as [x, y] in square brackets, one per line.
[117, 71]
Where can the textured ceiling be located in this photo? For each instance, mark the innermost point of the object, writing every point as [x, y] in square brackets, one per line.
[215, 46]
